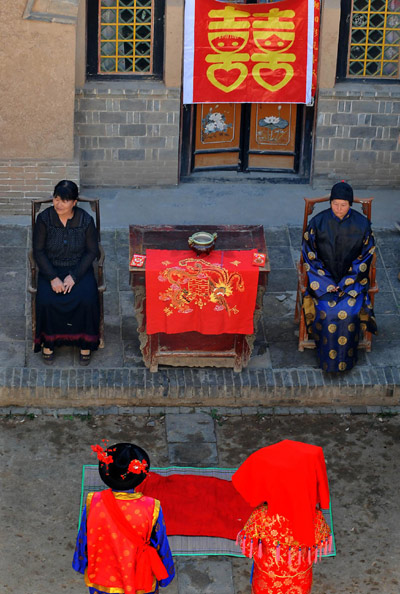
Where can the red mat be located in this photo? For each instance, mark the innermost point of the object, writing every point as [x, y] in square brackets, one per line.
[198, 505]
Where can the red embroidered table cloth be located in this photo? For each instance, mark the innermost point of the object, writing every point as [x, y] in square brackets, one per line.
[214, 294]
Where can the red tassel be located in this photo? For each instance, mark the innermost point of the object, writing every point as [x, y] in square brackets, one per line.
[299, 556]
[244, 545]
[237, 538]
[309, 554]
[290, 556]
[320, 551]
[278, 552]
[326, 547]
[316, 555]
[259, 549]
[251, 549]
[330, 543]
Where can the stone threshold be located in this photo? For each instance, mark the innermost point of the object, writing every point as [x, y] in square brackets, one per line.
[171, 387]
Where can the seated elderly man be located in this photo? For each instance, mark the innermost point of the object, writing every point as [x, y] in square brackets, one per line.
[338, 247]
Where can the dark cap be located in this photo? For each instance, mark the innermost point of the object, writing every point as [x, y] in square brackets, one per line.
[342, 191]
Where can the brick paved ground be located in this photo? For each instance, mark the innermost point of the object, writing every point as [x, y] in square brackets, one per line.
[278, 374]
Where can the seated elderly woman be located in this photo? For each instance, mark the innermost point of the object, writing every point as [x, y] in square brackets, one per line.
[65, 245]
[337, 249]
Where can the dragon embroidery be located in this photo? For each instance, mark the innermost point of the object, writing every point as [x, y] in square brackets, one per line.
[196, 282]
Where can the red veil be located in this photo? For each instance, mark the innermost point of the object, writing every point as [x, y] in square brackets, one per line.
[291, 477]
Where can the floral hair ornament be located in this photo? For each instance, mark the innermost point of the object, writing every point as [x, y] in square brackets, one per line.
[137, 467]
[101, 452]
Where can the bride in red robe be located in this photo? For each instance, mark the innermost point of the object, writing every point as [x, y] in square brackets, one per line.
[286, 533]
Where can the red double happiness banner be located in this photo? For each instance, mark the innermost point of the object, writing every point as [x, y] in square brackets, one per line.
[250, 53]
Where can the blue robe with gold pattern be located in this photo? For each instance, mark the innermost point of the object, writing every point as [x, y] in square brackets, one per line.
[338, 253]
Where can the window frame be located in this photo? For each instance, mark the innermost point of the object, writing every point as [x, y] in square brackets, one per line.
[92, 33]
[343, 51]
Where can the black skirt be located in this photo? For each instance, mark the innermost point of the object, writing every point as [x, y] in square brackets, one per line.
[71, 319]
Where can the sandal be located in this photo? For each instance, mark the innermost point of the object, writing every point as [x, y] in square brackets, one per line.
[84, 359]
[48, 358]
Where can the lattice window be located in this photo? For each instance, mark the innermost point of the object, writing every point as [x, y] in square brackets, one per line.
[125, 38]
[374, 39]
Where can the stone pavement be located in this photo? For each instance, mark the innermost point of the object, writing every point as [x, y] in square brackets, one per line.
[278, 374]
[42, 458]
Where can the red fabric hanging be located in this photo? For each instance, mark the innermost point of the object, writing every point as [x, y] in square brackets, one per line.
[214, 294]
[291, 477]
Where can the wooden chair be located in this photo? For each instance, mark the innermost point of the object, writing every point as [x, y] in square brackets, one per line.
[305, 341]
[98, 265]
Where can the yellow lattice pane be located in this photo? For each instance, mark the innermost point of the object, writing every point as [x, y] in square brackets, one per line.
[125, 36]
[374, 48]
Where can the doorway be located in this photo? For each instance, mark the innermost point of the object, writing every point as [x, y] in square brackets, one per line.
[269, 138]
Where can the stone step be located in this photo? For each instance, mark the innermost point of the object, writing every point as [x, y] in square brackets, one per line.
[171, 387]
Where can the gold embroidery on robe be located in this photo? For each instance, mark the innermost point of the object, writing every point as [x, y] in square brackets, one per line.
[309, 309]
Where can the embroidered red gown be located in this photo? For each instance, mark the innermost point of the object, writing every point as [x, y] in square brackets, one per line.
[288, 569]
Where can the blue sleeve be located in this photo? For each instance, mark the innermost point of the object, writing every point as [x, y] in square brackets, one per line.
[159, 540]
[320, 281]
[80, 560]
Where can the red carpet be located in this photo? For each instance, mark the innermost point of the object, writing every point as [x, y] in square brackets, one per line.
[198, 505]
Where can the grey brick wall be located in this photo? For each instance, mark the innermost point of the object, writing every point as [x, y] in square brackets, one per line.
[24, 179]
[128, 136]
[358, 135]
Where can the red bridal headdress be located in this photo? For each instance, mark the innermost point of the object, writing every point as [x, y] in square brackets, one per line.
[291, 477]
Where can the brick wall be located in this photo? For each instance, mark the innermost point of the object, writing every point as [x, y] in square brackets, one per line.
[128, 136]
[358, 135]
[22, 180]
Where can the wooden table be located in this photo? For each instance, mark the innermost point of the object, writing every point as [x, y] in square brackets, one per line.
[192, 348]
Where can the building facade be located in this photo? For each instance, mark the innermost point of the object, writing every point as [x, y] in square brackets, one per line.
[92, 91]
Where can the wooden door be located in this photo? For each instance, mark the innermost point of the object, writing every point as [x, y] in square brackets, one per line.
[244, 137]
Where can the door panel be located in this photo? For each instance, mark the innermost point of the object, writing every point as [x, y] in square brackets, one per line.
[217, 139]
[272, 130]
[216, 160]
[271, 162]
